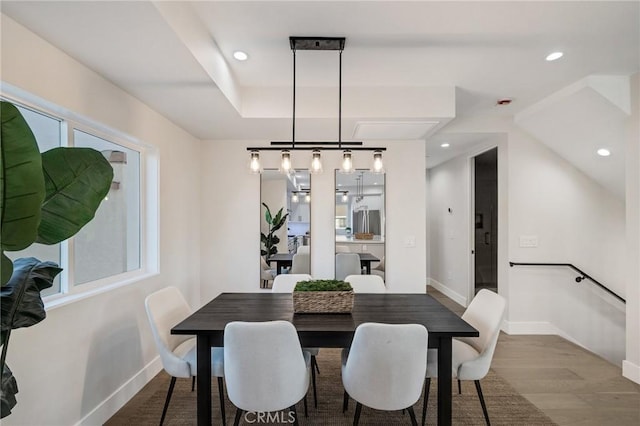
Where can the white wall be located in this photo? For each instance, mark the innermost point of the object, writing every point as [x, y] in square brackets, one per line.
[79, 357]
[631, 365]
[230, 244]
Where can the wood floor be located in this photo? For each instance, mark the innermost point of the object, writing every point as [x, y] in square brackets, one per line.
[568, 383]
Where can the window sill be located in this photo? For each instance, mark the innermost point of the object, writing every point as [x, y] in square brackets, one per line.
[56, 301]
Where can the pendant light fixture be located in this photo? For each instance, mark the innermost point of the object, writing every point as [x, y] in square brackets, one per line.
[286, 166]
[254, 162]
[294, 197]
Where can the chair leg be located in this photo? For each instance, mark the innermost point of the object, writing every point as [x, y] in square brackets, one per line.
[221, 393]
[484, 407]
[306, 412]
[356, 418]
[412, 414]
[314, 362]
[295, 415]
[166, 402]
[236, 421]
[193, 383]
[313, 382]
[427, 385]
[459, 388]
[345, 402]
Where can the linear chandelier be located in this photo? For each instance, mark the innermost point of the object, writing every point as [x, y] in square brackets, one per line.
[285, 147]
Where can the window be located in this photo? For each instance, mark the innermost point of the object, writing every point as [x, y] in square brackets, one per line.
[110, 246]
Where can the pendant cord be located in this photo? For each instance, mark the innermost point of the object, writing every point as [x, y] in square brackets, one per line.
[293, 135]
[340, 103]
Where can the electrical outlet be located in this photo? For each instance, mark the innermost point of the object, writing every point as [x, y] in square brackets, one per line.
[410, 241]
[529, 241]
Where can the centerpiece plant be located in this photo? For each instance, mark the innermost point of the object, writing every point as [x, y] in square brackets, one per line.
[44, 198]
[322, 297]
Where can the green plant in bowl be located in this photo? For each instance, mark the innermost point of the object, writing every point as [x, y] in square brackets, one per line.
[323, 285]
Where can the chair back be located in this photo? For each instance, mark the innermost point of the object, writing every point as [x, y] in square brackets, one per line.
[386, 365]
[264, 367]
[485, 314]
[366, 283]
[285, 283]
[347, 264]
[301, 263]
[303, 250]
[166, 308]
[343, 249]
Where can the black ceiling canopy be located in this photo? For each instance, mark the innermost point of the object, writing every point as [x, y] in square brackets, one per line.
[317, 43]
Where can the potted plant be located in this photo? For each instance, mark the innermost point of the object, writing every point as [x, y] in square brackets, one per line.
[323, 296]
[270, 240]
[44, 198]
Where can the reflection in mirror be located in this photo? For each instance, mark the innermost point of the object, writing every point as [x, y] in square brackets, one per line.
[285, 224]
[360, 223]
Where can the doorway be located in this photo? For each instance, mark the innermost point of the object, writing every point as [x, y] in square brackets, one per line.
[486, 221]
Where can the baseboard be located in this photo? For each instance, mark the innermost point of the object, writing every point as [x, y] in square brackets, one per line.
[456, 297]
[122, 395]
[631, 371]
[528, 327]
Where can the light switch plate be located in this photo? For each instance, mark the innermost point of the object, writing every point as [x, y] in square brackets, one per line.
[529, 241]
[410, 241]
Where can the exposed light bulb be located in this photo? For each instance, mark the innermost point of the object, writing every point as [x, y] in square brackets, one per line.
[316, 162]
[254, 163]
[345, 198]
[347, 162]
[307, 197]
[294, 197]
[285, 164]
[378, 167]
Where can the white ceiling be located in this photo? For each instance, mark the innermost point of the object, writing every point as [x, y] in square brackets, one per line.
[158, 51]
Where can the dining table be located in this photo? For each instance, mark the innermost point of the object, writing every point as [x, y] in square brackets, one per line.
[285, 260]
[324, 330]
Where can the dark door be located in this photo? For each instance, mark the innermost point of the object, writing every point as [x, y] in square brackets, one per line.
[486, 220]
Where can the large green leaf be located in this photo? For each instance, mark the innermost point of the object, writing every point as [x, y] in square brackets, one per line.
[21, 303]
[8, 391]
[76, 181]
[6, 268]
[21, 182]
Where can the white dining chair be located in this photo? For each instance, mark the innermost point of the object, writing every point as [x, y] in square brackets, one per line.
[166, 308]
[471, 356]
[303, 250]
[379, 269]
[285, 284]
[347, 264]
[300, 264]
[266, 273]
[266, 369]
[366, 283]
[384, 368]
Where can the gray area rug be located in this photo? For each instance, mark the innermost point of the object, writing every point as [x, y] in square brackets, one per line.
[505, 405]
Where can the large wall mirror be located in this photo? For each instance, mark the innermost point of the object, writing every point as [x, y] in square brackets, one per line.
[360, 223]
[284, 236]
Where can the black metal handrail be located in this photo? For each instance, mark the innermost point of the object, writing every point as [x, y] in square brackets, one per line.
[583, 275]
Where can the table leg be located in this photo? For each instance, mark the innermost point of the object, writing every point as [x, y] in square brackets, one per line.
[444, 381]
[204, 380]
[367, 266]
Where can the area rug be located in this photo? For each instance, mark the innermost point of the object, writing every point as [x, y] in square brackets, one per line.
[505, 405]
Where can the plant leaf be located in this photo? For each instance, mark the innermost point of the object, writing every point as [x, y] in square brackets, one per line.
[6, 268]
[30, 276]
[8, 391]
[76, 181]
[275, 240]
[21, 181]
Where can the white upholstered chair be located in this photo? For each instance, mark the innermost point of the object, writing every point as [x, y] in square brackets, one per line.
[266, 273]
[303, 249]
[384, 367]
[366, 283]
[379, 269]
[285, 284]
[166, 308]
[301, 264]
[266, 369]
[472, 355]
[347, 264]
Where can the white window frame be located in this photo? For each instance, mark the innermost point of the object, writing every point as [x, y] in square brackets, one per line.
[149, 202]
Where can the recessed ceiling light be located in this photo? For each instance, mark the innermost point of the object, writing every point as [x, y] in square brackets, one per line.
[603, 152]
[240, 55]
[553, 56]
[445, 145]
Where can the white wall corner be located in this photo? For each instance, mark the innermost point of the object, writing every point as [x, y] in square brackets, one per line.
[456, 297]
[529, 327]
[107, 408]
[631, 371]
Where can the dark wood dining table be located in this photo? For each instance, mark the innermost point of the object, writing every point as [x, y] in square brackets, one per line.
[324, 331]
[285, 260]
